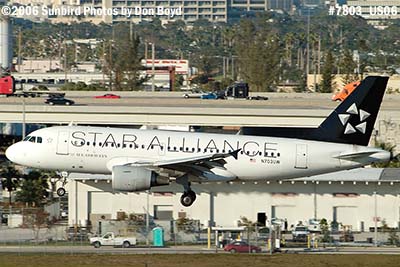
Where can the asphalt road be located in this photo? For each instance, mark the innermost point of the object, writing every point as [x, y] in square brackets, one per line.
[276, 101]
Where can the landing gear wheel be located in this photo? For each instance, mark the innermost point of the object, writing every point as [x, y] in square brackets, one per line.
[188, 198]
[61, 191]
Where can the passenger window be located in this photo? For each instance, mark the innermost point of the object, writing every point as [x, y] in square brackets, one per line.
[39, 140]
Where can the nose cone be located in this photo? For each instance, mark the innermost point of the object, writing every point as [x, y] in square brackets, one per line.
[12, 153]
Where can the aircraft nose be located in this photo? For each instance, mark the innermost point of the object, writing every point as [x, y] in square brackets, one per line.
[11, 153]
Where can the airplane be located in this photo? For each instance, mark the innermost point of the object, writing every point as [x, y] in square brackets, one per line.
[141, 159]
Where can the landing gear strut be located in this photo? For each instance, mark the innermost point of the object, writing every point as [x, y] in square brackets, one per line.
[61, 191]
[189, 196]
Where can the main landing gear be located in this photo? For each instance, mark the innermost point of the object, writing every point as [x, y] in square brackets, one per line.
[61, 191]
[189, 196]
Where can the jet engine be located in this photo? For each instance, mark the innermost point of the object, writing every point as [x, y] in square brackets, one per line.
[128, 178]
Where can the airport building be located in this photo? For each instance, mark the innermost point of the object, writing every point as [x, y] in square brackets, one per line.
[355, 199]
[377, 12]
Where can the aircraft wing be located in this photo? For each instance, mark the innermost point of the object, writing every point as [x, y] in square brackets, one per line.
[215, 158]
[196, 166]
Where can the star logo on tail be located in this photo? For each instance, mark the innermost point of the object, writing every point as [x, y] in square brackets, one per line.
[351, 111]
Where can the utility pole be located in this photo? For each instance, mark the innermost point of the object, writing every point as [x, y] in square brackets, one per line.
[65, 61]
[19, 50]
[146, 48]
[375, 220]
[319, 54]
[110, 65]
[147, 218]
[23, 119]
[223, 67]
[308, 45]
[153, 70]
[233, 68]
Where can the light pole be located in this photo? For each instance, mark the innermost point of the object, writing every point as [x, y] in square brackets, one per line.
[153, 50]
[375, 220]
[23, 118]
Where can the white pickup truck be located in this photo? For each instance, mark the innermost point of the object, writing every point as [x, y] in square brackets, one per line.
[109, 239]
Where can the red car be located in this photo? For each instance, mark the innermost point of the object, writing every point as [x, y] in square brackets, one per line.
[108, 96]
[240, 246]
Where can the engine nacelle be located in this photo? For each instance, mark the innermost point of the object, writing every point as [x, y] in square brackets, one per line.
[128, 178]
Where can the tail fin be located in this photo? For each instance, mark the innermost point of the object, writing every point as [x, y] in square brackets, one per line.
[353, 120]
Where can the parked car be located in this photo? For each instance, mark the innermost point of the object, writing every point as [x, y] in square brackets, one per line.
[257, 97]
[59, 101]
[193, 94]
[240, 246]
[314, 225]
[346, 91]
[209, 96]
[300, 233]
[109, 239]
[108, 96]
[263, 233]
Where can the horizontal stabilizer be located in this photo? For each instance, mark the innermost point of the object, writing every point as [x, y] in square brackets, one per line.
[355, 155]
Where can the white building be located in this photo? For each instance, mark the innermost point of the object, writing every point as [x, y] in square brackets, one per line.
[377, 12]
[32, 65]
[347, 197]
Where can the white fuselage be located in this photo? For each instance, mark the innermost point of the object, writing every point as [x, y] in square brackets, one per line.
[97, 149]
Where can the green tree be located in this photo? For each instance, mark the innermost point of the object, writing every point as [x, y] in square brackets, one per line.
[325, 233]
[249, 226]
[258, 55]
[10, 177]
[123, 60]
[327, 73]
[33, 189]
[347, 66]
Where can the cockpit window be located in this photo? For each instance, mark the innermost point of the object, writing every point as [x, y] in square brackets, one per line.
[33, 139]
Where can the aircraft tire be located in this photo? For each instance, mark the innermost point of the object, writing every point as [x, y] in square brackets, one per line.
[188, 198]
[60, 191]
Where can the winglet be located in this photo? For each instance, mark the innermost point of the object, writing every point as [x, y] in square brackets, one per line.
[235, 153]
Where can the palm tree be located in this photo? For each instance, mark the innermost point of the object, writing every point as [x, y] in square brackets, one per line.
[10, 179]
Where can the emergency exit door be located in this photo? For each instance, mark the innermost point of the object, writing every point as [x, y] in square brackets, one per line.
[301, 156]
[62, 143]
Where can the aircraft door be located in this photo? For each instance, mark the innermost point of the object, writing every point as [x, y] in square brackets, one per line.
[301, 156]
[62, 143]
